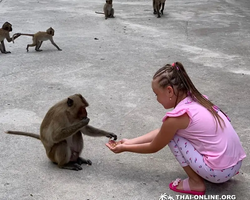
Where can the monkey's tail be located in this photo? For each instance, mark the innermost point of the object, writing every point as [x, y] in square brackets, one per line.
[27, 34]
[24, 133]
[13, 36]
[99, 12]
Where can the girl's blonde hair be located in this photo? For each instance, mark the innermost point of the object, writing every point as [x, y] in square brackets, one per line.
[176, 76]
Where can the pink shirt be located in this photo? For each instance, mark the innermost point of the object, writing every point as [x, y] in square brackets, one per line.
[221, 149]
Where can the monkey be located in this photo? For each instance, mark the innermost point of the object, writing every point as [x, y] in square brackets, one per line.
[157, 6]
[5, 34]
[61, 132]
[108, 9]
[39, 37]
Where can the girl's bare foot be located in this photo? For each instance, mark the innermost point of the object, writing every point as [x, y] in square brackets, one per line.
[195, 185]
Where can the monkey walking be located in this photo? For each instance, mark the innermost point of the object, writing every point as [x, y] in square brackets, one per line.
[108, 9]
[39, 37]
[61, 132]
[5, 34]
[158, 5]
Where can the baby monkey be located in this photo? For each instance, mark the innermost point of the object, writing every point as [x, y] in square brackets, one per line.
[39, 37]
[5, 34]
[108, 9]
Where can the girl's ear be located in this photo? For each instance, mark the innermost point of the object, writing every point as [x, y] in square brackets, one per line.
[170, 91]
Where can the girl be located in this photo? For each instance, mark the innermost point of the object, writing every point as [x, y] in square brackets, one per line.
[197, 132]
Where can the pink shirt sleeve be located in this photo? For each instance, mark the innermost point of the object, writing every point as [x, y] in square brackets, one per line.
[177, 113]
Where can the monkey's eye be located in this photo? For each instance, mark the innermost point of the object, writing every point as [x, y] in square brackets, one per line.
[70, 102]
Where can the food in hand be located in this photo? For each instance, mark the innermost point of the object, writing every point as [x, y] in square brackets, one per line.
[114, 143]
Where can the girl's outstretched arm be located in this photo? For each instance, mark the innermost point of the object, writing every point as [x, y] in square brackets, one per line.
[168, 129]
[142, 139]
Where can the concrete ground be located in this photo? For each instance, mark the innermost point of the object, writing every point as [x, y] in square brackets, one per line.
[111, 63]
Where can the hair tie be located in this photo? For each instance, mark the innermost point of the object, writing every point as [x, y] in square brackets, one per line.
[174, 65]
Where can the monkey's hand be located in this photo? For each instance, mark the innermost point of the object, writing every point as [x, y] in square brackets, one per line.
[112, 135]
[85, 121]
[16, 35]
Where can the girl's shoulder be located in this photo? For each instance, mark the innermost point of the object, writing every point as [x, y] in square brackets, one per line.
[181, 108]
[188, 106]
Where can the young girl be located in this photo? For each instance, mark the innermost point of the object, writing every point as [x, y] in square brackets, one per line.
[197, 132]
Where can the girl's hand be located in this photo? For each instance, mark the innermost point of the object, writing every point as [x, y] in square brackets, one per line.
[124, 141]
[116, 147]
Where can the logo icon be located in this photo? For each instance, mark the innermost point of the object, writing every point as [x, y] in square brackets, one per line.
[166, 197]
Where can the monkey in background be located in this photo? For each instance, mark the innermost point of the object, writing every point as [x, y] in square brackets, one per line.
[39, 37]
[5, 34]
[157, 6]
[61, 132]
[108, 9]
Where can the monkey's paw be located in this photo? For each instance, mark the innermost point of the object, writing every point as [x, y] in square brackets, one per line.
[81, 161]
[72, 166]
[112, 135]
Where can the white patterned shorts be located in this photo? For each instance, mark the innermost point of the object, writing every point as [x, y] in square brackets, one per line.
[187, 155]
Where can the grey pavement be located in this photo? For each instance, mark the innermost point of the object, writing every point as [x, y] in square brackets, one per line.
[111, 63]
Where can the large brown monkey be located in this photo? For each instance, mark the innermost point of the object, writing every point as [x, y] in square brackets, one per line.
[61, 132]
[5, 34]
[157, 6]
[108, 9]
[39, 37]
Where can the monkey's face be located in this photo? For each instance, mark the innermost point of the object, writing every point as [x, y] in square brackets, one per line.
[77, 107]
[7, 26]
[51, 31]
[109, 1]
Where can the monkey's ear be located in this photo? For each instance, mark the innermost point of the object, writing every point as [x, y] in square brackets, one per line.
[70, 102]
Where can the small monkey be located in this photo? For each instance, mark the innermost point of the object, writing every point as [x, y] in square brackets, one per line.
[157, 6]
[5, 34]
[108, 9]
[61, 132]
[39, 37]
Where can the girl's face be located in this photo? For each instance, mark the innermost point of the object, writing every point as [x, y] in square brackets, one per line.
[165, 96]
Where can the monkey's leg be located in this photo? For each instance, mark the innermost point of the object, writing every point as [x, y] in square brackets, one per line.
[155, 12]
[106, 14]
[94, 132]
[30, 45]
[39, 44]
[112, 13]
[162, 8]
[3, 50]
[55, 45]
[76, 148]
[61, 154]
[35, 43]
[158, 10]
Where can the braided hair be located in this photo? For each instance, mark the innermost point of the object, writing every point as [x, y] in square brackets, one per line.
[176, 76]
